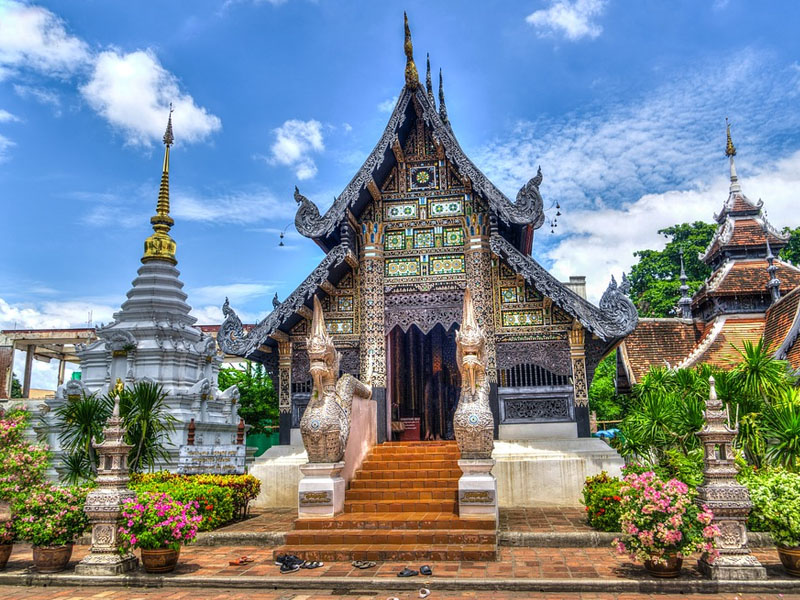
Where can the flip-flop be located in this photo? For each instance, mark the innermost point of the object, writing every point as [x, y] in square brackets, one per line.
[425, 570]
[424, 593]
[406, 572]
[364, 564]
[311, 565]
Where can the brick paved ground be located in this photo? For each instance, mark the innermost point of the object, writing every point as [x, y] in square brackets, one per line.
[515, 563]
[546, 520]
[178, 594]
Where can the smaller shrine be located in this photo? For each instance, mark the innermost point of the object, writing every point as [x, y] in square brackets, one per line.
[153, 338]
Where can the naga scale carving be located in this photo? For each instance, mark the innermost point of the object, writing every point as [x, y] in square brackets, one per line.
[325, 425]
[615, 317]
[473, 421]
[232, 337]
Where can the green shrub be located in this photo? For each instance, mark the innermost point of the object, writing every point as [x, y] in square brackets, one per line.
[50, 515]
[243, 487]
[215, 503]
[602, 497]
[22, 465]
[775, 494]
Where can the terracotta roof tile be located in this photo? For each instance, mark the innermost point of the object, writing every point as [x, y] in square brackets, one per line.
[721, 350]
[780, 317]
[658, 342]
[748, 232]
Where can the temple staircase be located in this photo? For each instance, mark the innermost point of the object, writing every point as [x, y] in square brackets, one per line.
[401, 505]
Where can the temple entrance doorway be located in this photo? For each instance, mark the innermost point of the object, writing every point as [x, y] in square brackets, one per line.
[424, 382]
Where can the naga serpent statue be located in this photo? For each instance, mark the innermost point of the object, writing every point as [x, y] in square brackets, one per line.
[473, 420]
[325, 425]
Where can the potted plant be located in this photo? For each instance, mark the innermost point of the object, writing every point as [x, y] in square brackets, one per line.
[51, 518]
[158, 526]
[6, 542]
[661, 524]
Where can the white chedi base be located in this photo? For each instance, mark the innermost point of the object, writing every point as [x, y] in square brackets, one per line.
[321, 490]
[477, 489]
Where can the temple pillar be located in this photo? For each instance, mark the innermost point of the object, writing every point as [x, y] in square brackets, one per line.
[26, 378]
[61, 367]
[6, 367]
[577, 353]
[372, 342]
[285, 390]
[478, 263]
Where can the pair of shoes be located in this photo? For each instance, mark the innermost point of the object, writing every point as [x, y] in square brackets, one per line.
[364, 564]
[242, 560]
[426, 570]
[406, 572]
[311, 564]
[289, 563]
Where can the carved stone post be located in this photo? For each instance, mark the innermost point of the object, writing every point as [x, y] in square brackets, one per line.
[285, 389]
[580, 385]
[372, 346]
[727, 498]
[104, 503]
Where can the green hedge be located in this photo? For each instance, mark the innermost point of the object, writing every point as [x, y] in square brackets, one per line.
[602, 497]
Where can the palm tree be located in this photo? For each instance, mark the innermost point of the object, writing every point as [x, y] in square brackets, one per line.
[80, 424]
[782, 430]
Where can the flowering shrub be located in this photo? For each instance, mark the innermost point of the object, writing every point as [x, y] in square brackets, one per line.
[22, 465]
[776, 503]
[214, 503]
[602, 498]
[659, 518]
[51, 515]
[154, 521]
[6, 532]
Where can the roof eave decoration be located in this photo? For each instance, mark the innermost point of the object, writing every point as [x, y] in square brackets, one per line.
[527, 210]
[614, 318]
[232, 337]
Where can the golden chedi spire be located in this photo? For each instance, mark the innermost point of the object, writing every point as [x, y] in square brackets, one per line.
[730, 149]
[160, 246]
[730, 152]
[412, 77]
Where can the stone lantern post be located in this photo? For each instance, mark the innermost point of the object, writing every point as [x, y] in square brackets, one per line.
[727, 498]
[104, 503]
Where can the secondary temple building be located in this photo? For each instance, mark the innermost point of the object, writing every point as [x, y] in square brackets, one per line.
[416, 226]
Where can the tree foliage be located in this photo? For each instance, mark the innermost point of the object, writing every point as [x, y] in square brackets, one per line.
[791, 251]
[655, 279]
[603, 397]
[258, 402]
[16, 387]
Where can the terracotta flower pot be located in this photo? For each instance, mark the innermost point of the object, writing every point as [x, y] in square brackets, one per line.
[162, 560]
[670, 568]
[5, 552]
[51, 559]
[790, 557]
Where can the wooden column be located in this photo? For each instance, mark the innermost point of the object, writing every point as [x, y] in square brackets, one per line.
[285, 389]
[26, 379]
[577, 354]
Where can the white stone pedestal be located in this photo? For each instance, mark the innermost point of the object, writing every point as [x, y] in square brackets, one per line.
[321, 490]
[477, 489]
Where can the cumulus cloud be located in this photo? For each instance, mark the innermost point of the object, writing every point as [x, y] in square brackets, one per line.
[32, 37]
[572, 19]
[132, 91]
[295, 142]
[387, 105]
[237, 207]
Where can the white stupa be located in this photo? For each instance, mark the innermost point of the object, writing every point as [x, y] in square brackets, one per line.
[153, 338]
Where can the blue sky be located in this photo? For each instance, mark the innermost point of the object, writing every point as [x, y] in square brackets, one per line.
[621, 102]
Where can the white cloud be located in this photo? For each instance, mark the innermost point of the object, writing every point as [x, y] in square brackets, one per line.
[40, 95]
[295, 141]
[33, 37]
[602, 240]
[5, 145]
[574, 19]
[133, 91]
[235, 292]
[236, 207]
[387, 106]
[6, 116]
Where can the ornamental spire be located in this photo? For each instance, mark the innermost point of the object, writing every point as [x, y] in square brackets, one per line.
[412, 77]
[730, 152]
[428, 84]
[685, 303]
[774, 284]
[160, 246]
[442, 106]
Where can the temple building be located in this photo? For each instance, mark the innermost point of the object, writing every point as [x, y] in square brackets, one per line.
[750, 294]
[416, 226]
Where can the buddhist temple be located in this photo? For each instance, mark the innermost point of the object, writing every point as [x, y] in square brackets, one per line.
[749, 294]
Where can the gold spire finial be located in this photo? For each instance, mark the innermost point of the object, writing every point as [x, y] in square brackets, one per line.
[730, 149]
[160, 246]
[412, 77]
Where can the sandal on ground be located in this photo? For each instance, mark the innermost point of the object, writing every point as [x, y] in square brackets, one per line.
[288, 567]
[424, 593]
[364, 564]
[426, 570]
[406, 572]
[243, 560]
[311, 565]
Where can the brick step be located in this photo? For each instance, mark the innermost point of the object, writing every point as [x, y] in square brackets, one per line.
[410, 464]
[394, 484]
[394, 537]
[406, 493]
[404, 474]
[429, 444]
[427, 521]
[405, 455]
[395, 506]
[476, 552]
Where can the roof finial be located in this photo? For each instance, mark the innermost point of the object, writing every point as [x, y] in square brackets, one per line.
[730, 152]
[160, 246]
[774, 284]
[428, 83]
[412, 77]
[685, 303]
[442, 106]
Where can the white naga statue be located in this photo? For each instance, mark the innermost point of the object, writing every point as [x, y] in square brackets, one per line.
[325, 425]
[473, 421]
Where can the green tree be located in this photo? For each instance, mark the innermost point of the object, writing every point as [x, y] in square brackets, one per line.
[791, 251]
[16, 387]
[258, 402]
[603, 397]
[655, 279]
